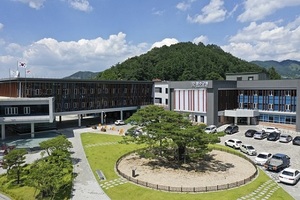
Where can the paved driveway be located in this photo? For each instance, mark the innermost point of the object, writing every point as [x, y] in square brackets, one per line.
[272, 147]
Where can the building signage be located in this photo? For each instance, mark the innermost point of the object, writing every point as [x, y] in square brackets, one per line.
[199, 84]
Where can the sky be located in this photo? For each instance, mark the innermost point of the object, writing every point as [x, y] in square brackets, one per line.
[57, 38]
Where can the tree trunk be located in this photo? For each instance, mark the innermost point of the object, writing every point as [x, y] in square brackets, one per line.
[181, 153]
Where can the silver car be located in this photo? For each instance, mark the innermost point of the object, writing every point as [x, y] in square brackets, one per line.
[285, 138]
[260, 135]
[248, 149]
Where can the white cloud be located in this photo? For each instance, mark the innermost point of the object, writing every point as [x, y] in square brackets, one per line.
[213, 12]
[1, 26]
[184, 5]
[36, 4]
[157, 12]
[259, 9]
[166, 41]
[267, 41]
[51, 58]
[203, 39]
[82, 5]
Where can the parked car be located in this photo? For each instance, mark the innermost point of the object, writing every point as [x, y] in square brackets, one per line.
[234, 143]
[231, 129]
[296, 140]
[289, 176]
[262, 158]
[119, 122]
[277, 162]
[274, 136]
[248, 149]
[250, 132]
[211, 129]
[260, 135]
[270, 130]
[285, 138]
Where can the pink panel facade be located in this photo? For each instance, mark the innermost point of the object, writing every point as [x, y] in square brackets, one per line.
[191, 100]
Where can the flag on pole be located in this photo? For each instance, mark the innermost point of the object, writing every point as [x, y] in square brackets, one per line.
[14, 73]
[22, 64]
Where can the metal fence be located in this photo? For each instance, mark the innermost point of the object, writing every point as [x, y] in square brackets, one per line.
[191, 189]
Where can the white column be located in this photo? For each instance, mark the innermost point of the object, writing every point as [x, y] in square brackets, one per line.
[121, 115]
[235, 120]
[79, 120]
[248, 121]
[32, 130]
[102, 117]
[2, 131]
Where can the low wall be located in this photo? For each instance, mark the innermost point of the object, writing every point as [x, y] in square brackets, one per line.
[191, 189]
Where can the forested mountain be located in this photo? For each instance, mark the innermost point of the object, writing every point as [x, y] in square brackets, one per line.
[286, 68]
[180, 62]
[82, 75]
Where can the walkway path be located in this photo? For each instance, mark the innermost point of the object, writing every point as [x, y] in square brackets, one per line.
[85, 184]
[264, 192]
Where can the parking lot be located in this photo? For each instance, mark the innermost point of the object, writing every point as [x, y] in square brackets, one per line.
[273, 147]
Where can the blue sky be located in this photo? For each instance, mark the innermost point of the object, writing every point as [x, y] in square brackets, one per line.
[56, 38]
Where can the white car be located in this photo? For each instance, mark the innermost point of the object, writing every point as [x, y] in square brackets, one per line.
[285, 138]
[119, 122]
[248, 149]
[262, 158]
[234, 143]
[270, 130]
[289, 175]
[211, 129]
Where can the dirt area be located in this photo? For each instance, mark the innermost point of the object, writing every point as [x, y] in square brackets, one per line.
[221, 168]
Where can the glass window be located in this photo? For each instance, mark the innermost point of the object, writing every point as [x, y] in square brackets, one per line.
[11, 110]
[158, 89]
[26, 110]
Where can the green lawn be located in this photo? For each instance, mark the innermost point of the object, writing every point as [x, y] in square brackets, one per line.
[103, 150]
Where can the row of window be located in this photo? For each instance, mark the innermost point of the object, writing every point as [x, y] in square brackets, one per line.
[159, 90]
[78, 91]
[159, 101]
[271, 107]
[92, 104]
[268, 92]
[277, 119]
[15, 110]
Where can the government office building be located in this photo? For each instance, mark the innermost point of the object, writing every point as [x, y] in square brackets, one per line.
[240, 99]
[37, 101]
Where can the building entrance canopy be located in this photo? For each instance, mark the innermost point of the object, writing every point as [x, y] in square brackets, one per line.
[241, 113]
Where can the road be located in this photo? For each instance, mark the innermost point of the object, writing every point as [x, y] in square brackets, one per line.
[272, 147]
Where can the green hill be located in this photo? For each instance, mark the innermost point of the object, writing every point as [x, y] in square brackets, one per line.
[179, 62]
[82, 75]
[286, 68]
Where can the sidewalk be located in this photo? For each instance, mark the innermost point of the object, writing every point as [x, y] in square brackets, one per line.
[85, 185]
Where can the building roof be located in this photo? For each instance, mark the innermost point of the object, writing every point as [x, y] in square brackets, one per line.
[22, 79]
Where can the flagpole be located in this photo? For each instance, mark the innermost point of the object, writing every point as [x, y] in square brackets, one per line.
[9, 83]
[25, 82]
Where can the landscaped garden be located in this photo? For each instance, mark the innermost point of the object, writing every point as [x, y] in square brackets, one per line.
[103, 151]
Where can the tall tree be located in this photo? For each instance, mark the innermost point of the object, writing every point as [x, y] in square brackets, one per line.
[14, 162]
[58, 143]
[273, 75]
[168, 133]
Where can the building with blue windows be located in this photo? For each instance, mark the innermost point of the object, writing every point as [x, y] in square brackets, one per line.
[238, 100]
